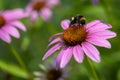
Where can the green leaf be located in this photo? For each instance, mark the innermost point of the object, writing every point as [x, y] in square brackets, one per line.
[13, 69]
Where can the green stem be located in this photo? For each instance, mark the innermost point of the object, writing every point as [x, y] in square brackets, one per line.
[19, 59]
[92, 69]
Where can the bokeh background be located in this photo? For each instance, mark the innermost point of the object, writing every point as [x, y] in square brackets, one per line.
[32, 44]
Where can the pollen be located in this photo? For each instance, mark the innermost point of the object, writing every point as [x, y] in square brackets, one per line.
[39, 5]
[2, 21]
[74, 35]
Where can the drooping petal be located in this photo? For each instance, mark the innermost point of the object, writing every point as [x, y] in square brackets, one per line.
[5, 36]
[11, 15]
[46, 14]
[99, 42]
[99, 27]
[106, 34]
[34, 16]
[65, 24]
[92, 23]
[91, 51]
[28, 9]
[41, 66]
[66, 56]
[37, 78]
[53, 62]
[54, 41]
[19, 25]
[55, 35]
[52, 50]
[78, 54]
[12, 31]
[52, 3]
[36, 73]
[59, 57]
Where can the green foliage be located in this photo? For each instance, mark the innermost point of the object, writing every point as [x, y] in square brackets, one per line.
[13, 69]
[32, 44]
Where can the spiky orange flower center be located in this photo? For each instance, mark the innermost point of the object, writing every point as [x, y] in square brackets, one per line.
[54, 74]
[39, 5]
[74, 35]
[2, 21]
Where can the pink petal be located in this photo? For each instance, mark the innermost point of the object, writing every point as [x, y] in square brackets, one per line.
[67, 54]
[52, 50]
[52, 3]
[5, 37]
[59, 57]
[34, 16]
[11, 15]
[54, 41]
[28, 9]
[19, 25]
[99, 27]
[92, 23]
[55, 35]
[46, 14]
[91, 51]
[12, 31]
[78, 54]
[99, 42]
[106, 34]
[65, 24]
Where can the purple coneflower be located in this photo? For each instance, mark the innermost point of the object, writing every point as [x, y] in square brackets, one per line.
[95, 2]
[41, 8]
[9, 22]
[78, 39]
[50, 72]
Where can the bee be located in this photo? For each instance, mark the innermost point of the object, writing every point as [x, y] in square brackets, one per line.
[79, 20]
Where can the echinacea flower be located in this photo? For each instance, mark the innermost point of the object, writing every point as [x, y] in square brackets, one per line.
[50, 72]
[95, 2]
[9, 22]
[78, 40]
[40, 8]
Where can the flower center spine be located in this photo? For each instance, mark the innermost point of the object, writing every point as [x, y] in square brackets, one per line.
[2, 21]
[39, 5]
[74, 35]
[54, 74]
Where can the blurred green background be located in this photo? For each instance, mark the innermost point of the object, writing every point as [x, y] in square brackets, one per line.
[32, 44]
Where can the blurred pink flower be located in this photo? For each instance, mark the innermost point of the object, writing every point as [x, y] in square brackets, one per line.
[41, 8]
[9, 22]
[78, 40]
[51, 72]
[95, 2]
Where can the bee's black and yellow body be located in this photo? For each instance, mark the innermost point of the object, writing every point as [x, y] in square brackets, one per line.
[80, 20]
